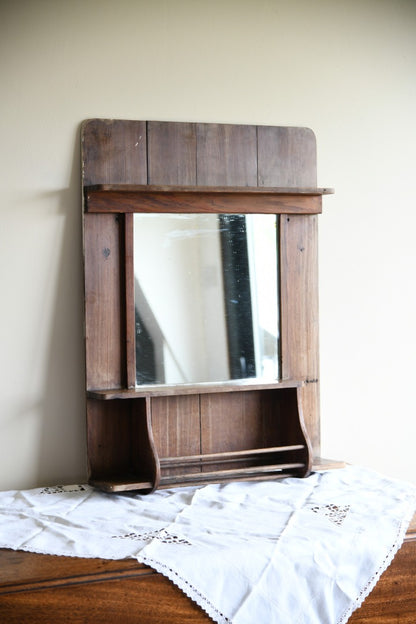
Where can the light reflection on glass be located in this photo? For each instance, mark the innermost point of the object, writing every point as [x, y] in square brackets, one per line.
[206, 298]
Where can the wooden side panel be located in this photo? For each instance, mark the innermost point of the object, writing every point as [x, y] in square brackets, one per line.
[299, 293]
[114, 152]
[226, 155]
[282, 414]
[287, 157]
[109, 438]
[103, 297]
[176, 428]
[119, 443]
[171, 153]
[299, 313]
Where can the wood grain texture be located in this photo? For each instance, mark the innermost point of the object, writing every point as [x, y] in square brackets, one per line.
[299, 313]
[226, 155]
[176, 428]
[120, 442]
[231, 423]
[103, 312]
[26, 571]
[219, 190]
[286, 156]
[171, 153]
[251, 420]
[128, 201]
[114, 152]
[150, 599]
[108, 439]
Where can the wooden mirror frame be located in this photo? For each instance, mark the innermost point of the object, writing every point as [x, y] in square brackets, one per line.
[144, 438]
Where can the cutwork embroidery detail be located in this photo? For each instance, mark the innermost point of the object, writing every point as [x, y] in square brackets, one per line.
[162, 535]
[334, 513]
[62, 489]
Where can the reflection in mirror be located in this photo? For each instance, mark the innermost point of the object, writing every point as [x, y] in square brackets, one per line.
[206, 298]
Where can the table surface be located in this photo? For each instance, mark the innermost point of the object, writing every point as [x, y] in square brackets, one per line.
[38, 588]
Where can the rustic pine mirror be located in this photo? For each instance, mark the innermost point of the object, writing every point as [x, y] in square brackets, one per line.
[201, 305]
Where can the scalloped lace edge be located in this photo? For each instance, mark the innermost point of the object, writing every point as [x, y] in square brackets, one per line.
[64, 553]
[372, 582]
[192, 592]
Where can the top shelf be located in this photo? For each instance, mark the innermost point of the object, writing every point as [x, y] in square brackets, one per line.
[130, 198]
[155, 390]
[165, 188]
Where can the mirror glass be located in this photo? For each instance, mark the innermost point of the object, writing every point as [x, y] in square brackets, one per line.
[206, 298]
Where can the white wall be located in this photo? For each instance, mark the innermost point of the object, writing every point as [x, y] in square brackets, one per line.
[344, 68]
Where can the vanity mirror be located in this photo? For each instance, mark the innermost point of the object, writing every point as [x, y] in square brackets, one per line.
[200, 252]
[206, 297]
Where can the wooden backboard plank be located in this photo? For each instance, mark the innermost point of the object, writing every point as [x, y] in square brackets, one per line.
[226, 155]
[171, 153]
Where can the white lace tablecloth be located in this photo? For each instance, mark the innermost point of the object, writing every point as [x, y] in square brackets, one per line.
[293, 551]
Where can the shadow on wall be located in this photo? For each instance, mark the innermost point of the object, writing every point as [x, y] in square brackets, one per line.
[62, 443]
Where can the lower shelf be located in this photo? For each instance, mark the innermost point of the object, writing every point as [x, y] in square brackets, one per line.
[278, 471]
[128, 483]
[124, 484]
[148, 442]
